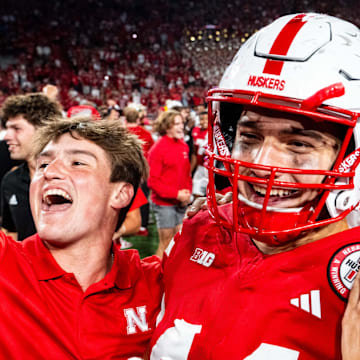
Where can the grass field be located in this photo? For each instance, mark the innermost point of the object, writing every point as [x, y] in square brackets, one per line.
[146, 245]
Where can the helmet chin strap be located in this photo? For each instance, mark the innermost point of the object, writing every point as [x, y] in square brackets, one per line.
[279, 227]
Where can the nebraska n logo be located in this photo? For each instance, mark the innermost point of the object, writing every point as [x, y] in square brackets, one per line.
[137, 319]
[309, 303]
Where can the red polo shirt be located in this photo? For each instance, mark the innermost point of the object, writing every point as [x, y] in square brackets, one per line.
[46, 315]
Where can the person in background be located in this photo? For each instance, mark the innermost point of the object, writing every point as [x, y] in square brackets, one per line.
[69, 287]
[21, 116]
[133, 125]
[200, 175]
[169, 178]
[5, 160]
[189, 123]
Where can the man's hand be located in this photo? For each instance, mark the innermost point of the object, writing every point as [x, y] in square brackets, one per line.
[201, 204]
[184, 196]
[350, 337]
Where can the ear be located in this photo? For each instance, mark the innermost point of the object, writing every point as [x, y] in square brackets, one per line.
[122, 194]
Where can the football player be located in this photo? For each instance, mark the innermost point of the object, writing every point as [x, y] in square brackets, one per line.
[268, 275]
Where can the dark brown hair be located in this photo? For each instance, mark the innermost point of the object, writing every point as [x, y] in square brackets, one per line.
[36, 108]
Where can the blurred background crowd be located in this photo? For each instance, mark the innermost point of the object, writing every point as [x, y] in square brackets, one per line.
[133, 50]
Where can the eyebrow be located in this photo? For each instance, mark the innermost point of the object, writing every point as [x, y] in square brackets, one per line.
[50, 153]
[314, 134]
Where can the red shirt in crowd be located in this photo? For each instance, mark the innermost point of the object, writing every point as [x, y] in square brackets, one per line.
[169, 170]
[46, 314]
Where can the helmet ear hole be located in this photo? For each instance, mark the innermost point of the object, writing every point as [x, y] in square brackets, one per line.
[343, 200]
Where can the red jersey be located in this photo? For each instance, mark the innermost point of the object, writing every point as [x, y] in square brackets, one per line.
[169, 170]
[200, 141]
[45, 313]
[144, 136]
[224, 299]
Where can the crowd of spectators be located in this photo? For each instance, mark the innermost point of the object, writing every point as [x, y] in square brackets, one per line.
[131, 50]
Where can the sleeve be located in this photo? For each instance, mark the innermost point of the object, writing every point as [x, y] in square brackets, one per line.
[5, 214]
[157, 172]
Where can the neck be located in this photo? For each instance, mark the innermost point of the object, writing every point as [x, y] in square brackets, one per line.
[89, 264]
[31, 165]
[309, 237]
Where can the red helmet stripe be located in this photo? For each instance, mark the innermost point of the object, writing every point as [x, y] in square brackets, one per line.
[282, 44]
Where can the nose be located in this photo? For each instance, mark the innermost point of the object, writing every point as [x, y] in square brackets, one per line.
[8, 134]
[54, 170]
[270, 155]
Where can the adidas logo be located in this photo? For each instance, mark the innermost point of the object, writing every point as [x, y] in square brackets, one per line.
[13, 200]
[309, 303]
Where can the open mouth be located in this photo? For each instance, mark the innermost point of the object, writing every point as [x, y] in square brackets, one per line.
[11, 147]
[56, 199]
[279, 193]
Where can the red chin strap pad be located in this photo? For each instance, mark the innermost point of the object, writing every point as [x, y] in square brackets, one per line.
[275, 228]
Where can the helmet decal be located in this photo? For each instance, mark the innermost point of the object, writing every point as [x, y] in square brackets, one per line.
[283, 43]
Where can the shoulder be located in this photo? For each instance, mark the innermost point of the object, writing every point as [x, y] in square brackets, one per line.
[8, 245]
[145, 271]
[145, 132]
[158, 145]
[202, 234]
[12, 174]
[4, 239]
[195, 131]
[149, 267]
[201, 227]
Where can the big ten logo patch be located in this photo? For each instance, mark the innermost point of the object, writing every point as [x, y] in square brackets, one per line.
[203, 257]
[343, 268]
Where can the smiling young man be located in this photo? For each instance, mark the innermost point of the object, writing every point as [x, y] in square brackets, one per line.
[68, 291]
[268, 275]
[21, 116]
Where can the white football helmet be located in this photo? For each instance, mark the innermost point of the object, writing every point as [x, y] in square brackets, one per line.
[304, 64]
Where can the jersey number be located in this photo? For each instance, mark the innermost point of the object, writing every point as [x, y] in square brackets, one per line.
[175, 344]
[273, 352]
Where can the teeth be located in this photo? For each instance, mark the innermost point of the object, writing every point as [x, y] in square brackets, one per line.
[57, 192]
[273, 192]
